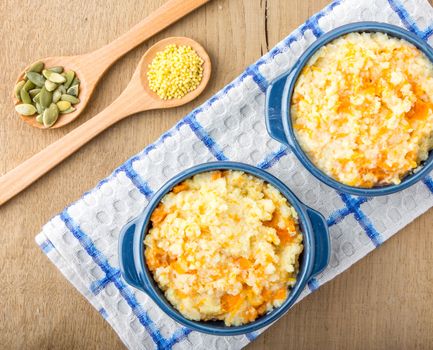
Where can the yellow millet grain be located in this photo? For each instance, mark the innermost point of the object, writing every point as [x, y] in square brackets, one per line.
[175, 71]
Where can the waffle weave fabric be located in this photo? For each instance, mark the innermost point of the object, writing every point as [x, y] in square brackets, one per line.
[82, 241]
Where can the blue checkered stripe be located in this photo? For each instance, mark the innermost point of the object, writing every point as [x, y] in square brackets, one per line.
[352, 206]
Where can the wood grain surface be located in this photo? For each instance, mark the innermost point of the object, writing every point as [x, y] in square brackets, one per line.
[383, 302]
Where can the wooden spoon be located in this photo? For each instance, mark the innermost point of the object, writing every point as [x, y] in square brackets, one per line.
[90, 67]
[136, 97]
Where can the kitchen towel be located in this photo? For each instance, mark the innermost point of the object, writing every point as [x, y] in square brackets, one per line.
[82, 240]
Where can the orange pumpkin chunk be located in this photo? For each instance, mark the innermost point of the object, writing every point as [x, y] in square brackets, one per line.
[284, 236]
[419, 111]
[158, 215]
[177, 267]
[244, 263]
[231, 302]
[280, 294]
[266, 294]
[216, 175]
[181, 187]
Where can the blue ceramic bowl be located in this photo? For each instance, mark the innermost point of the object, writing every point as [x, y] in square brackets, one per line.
[313, 259]
[279, 96]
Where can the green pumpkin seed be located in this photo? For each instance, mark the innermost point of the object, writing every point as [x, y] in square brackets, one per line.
[50, 86]
[69, 110]
[57, 69]
[39, 108]
[62, 89]
[69, 75]
[36, 78]
[25, 109]
[46, 97]
[50, 115]
[36, 67]
[39, 118]
[36, 98]
[18, 88]
[76, 81]
[28, 85]
[34, 92]
[54, 77]
[25, 97]
[56, 95]
[73, 90]
[63, 105]
[74, 100]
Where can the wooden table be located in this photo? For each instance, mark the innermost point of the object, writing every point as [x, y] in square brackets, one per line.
[384, 301]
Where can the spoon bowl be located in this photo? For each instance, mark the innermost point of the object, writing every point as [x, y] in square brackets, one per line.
[160, 46]
[74, 63]
[137, 97]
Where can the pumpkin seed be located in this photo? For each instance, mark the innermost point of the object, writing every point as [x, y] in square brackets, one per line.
[36, 67]
[56, 69]
[53, 76]
[39, 118]
[45, 97]
[50, 86]
[69, 75]
[39, 108]
[34, 92]
[76, 81]
[25, 97]
[62, 89]
[56, 95]
[25, 109]
[69, 110]
[73, 90]
[74, 100]
[18, 88]
[50, 115]
[63, 105]
[36, 78]
[28, 85]
[36, 98]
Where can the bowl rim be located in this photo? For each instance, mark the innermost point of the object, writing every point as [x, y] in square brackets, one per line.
[394, 31]
[305, 268]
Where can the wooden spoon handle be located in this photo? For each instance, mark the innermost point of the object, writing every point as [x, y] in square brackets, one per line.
[33, 168]
[170, 12]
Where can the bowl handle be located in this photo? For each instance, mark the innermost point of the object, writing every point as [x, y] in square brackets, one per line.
[127, 254]
[274, 107]
[321, 241]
